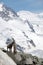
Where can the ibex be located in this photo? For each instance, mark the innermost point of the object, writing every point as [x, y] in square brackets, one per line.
[11, 44]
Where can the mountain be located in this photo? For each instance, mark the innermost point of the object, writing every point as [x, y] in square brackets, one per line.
[30, 16]
[7, 13]
[12, 26]
[24, 26]
[36, 19]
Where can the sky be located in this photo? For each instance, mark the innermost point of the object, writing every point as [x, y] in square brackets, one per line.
[28, 5]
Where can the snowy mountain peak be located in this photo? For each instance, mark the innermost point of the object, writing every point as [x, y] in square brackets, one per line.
[7, 13]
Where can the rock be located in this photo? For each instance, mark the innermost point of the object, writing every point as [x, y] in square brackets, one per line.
[18, 58]
[35, 60]
[22, 58]
[5, 59]
[38, 64]
[27, 61]
[42, 63]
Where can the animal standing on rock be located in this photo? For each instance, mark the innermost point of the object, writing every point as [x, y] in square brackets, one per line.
[11, 43]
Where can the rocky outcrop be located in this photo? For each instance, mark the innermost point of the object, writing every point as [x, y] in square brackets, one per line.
[19, 59]
[5, 59]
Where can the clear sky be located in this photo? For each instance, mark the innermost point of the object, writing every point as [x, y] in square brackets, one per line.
[28, 5]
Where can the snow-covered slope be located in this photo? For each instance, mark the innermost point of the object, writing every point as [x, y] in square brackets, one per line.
[36, 21]
[27, 15]
[22, 27]
[13, 26]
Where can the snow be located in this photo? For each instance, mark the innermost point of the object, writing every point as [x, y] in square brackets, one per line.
[37, 23]
[21, 31]
[32, 17]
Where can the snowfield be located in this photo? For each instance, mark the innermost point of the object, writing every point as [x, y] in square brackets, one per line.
[24, 26]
